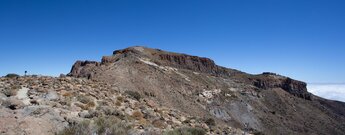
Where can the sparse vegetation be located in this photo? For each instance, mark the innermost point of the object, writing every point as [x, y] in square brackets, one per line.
[143, 121]
[186, 131]
[118, 103]
[258, 133]
[85, 99]
[120, 99]
[150, 94]
[67, 94]
[210, 122]
[101, 126]
[134, 94]
[159, 124]
[10, 92]
[82, 128]
[90, 105]
[87, 106]
[111, 126]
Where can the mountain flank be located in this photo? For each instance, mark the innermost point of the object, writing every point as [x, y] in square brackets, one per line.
[144, 91]
[267, 103]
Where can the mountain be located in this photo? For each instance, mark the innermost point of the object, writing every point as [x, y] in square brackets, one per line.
[267, 103]
[145, 91]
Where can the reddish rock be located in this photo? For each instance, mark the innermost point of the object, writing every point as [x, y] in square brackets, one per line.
[150, 103]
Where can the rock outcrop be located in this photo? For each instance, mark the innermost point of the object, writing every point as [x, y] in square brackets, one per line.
[194, 63]
[294, 87]
[78, 69]
[180, 61]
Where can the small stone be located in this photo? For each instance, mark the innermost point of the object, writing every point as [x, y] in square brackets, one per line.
[151, 104]
[182, 118]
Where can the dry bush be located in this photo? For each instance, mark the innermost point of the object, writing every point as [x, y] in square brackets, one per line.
[88, 102]
[85, 106]
[143, 121]
[111, 126]
[81, 106]
[137, 115]
[10, 92]
[117, 103]
[90, 105]
[85, 99]
[134, 94]
[67, 94]
[186, 131]
[120, 99]
[101, 126]
[159, 124]
[210, 122]
[258, 133]
[83, 128]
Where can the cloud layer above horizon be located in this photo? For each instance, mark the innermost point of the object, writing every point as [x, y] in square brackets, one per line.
[328, 91]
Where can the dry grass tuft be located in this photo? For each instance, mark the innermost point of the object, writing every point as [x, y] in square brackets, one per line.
[137, 115]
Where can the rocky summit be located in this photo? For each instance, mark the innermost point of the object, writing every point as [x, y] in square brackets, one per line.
[144, 91]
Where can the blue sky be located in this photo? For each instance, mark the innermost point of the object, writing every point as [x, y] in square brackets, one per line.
[301, 39]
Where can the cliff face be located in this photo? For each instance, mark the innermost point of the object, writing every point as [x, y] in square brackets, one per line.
[267, 103]
[182, 61]
[294, 87]
[79, 69]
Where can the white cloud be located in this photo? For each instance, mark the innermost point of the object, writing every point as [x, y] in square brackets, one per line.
[328, 91]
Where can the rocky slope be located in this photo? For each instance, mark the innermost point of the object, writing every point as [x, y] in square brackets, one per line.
[267, 103]
[146, 91]
[38, 105]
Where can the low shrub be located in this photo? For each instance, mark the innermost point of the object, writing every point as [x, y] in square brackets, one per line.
[67, 94]
[150, 94]
[159, 124]
[85, 99]
[137, 115]
[186, 131]
[82, 128]
[258, 133]
[210, 122]
[134, 94]
[101, 126]
[120, 99]
[90, 105]
[111, 126]
[118, 103]
[10, 92]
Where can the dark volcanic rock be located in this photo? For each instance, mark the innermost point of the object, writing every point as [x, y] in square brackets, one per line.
[198, 64]
[294, 87]
[78, 69]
